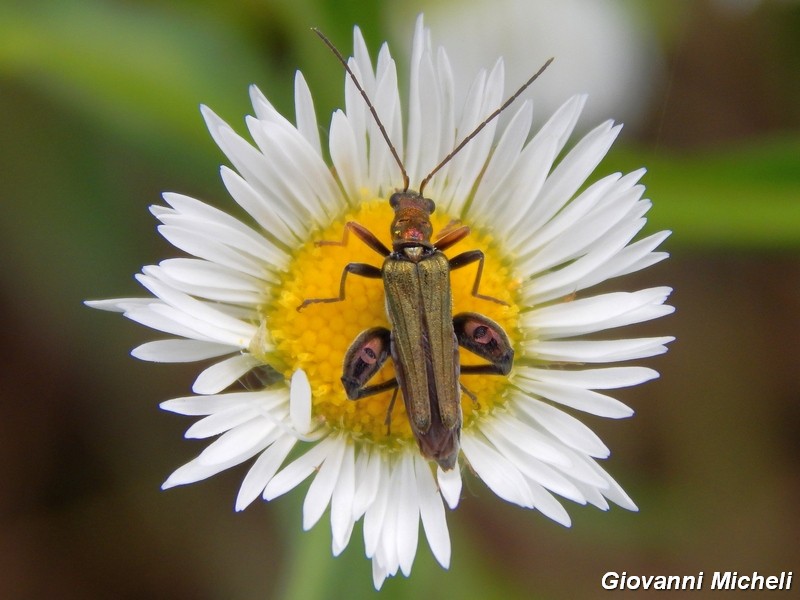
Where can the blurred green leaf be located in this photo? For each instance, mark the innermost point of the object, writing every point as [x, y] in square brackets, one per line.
[316, 575]
[137, 70]
[741, 197]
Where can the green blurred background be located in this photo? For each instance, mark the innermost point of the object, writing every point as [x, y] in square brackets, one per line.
[99, 115]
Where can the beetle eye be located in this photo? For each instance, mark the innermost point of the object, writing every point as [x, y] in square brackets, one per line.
[431, 205]
[393, 199]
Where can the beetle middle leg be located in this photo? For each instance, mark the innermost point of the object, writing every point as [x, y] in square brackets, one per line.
[388, 420]
[360, 269]
[467, 258]
[470, 393]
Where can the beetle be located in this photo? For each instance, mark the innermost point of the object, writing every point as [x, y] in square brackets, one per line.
[425, 336]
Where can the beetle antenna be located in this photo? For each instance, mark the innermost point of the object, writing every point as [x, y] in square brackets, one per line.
[486, 121]
[352, 75]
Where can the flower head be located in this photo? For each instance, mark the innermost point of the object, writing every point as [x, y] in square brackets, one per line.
[538, 238]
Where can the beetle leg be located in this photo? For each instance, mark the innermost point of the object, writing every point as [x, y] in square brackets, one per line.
[451, 235]
[467, 258]
[362, 233]
[484, 337]
[363, 359]
[360, 269]
[388, 420]
[471, 394]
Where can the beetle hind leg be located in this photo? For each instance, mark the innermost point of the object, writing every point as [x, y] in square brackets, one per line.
[472, 396]
[482, 336]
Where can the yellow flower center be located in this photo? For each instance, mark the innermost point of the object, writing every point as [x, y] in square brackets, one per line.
[317, 338]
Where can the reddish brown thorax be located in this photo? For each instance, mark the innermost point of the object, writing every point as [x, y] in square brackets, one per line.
[411, 224]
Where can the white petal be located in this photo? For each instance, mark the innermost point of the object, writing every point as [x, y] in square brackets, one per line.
[614, 492]
[575, 397]
[264, 109]
[432, 513]
[357, 117]
[199, 469]
[296, 471]
[263, 470]
[369, 478]
[535, 470]
[206, 405]
[206, 220]
[222, 421]
[156, 315]
[415, 103]
[597, 313]
[470, 162]
[118, 304]
[585, 234]
[531, 441]
[195, 274]
[574, 212]
[522, 188]
[581, 273]
[544, 502]
[307, 180]
[593, 495]
[638, 255]
[407, 513]
[496, 471]
[342, 520]
[197, 311]
[596, 351]
[344, 154]
[387, 551]
[570, 174]
[246, 439]
[449, 485]
[266, 213]
[188, 240]
[379, 575]
[219, 376]
[374, 518]
[178, 322]
[175, 351]
[300, 402]
[583, 470]
[593, 379]
[383, 170]
[305, 113]
[563, 427]
[502, 162]
[268, 181]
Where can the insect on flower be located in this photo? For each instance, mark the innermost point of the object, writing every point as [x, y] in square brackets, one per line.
[425, 335]
[512, 203]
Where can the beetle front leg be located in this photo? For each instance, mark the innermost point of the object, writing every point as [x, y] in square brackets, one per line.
[451, 234]
[467, 258]
[362, 233]
[360, 269]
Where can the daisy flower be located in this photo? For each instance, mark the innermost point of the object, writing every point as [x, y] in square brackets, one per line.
[547, 237]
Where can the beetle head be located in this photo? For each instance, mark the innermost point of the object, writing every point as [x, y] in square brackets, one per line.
[411, 224]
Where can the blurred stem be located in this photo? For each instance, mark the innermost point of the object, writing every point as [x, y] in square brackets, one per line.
[312, 571]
